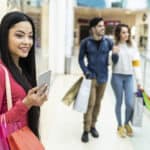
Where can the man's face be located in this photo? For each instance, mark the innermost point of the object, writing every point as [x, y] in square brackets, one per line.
[99, 29]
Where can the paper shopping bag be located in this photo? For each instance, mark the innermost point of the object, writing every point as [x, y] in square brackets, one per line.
[82, 100]
[71, 94]
[138, 109]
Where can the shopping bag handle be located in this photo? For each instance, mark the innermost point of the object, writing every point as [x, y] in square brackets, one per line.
[8, 88]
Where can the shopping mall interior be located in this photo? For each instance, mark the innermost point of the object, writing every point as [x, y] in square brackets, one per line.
[60, 27]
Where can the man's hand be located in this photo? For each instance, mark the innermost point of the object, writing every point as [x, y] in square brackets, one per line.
[88, 75]
[36, 96]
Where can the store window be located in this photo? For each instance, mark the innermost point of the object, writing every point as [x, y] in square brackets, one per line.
[11, 4]
[110, 27]
[37, 21]
[34, 3]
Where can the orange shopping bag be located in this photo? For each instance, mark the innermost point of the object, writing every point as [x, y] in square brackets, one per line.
[24, 139]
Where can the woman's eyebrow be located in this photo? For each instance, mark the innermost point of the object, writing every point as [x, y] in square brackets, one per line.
[24, 32]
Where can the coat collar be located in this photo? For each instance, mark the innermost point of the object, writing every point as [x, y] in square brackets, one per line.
[91, 38]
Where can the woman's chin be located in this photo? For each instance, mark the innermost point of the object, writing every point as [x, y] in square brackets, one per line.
[24, 55]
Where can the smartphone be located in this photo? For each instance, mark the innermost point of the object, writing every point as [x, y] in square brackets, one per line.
[44, 78]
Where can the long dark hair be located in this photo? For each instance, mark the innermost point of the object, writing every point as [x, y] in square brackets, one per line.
[28, 78]
[118, 31]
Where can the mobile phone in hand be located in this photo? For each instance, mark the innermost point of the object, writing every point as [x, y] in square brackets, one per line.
[44, 79]
[43, 89]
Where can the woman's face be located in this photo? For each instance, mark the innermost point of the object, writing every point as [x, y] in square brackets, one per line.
[124, 34]
[20, 39]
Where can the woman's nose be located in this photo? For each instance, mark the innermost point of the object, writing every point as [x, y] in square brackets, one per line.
[27, 40]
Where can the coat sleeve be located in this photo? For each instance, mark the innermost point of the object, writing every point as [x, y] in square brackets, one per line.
[82, 54]
[136, 63]
[111, 44]
[16, 112]
[113, 58]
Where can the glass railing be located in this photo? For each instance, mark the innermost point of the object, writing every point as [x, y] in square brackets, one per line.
[146, 72]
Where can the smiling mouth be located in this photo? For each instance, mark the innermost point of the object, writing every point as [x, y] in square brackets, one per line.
[25, 50]
[102, 31]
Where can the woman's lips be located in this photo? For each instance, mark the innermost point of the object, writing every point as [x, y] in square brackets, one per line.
[24, 49]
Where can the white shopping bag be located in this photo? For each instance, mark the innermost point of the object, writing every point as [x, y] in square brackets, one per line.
[138, 109]
[82, 99]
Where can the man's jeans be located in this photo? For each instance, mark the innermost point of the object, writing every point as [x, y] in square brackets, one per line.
[123, 85]
[96, 95]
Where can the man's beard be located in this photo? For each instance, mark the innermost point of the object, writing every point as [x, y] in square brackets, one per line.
[100, 34]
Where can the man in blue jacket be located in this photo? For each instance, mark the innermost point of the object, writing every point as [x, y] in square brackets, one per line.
[96, 49]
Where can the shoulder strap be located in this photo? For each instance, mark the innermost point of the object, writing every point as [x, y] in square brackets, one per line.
[8, 89]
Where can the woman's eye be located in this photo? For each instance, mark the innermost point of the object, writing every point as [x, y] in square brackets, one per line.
[19, 35]
[31, 36]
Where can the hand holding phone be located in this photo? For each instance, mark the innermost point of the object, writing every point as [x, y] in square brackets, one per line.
[44, 81]
[43, 89]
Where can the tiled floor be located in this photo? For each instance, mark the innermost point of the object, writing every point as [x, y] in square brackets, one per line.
[61, 126]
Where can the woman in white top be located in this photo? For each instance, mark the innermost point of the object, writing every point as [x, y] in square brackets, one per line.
[127, 65]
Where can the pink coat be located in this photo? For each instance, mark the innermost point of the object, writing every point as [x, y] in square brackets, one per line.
[18, 113]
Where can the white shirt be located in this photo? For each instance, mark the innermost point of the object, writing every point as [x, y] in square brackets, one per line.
[127, 54]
